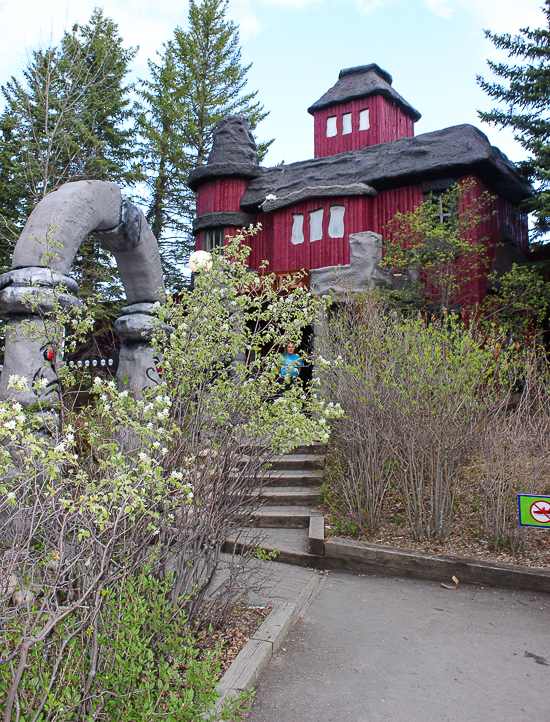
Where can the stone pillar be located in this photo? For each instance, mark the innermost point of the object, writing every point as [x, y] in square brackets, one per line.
[27, 297]
[138, 360]
[42, 260]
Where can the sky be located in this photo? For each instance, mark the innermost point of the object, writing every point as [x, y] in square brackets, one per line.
[433, 49]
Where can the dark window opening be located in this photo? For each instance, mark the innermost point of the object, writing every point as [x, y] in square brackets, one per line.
[212, 240]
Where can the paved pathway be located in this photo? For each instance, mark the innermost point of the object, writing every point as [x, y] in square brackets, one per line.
[380, 648]
[273, 582]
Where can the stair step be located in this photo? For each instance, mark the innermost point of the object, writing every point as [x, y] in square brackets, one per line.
[270, 539]
[293, 496]
[288, 477]
[298, 461]
[291, 477]
[317, 448]
[292, 545]
[295, 517]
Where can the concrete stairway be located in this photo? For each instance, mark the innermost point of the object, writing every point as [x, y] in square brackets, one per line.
[288, 519]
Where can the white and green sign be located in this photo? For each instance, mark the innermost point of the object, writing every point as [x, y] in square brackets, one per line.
[534, 510]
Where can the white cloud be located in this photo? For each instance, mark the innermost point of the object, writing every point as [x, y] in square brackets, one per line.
[505, 16]
[498, 15]
[239, 8]
[42, 22]
[366, 7]
[441, 7]
[249, 25]
[297, 4]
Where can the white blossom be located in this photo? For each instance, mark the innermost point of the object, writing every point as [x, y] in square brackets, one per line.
[21, 382]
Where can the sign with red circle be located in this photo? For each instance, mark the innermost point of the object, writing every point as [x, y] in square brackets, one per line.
[534, 510]
[540, 511]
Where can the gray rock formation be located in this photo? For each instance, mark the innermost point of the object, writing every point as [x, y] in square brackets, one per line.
[329, 191]
[451, 152]
[233, 142]
[233, 153]
[26, 354]
[362, 273]
[137, 367]
[222, 219]
[41, 264]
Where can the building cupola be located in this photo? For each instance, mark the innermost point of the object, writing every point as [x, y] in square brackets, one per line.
[233, 155]
[362, 109]
[220, 184]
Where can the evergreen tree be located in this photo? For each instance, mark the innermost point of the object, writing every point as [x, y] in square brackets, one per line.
[525, 94]
[71, 110]
[69, 118]
[12, 180]
[107, 114]
[209, 60]
[167, 164]
[198, 80]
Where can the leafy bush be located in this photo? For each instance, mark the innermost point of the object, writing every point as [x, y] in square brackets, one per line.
[435, 247]
[514, 452]
[416, 392]
[91, 498]
[142, 662]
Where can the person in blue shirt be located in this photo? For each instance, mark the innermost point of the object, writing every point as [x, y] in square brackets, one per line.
[291, 364]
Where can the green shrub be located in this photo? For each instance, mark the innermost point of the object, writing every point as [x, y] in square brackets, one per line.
[134, 661]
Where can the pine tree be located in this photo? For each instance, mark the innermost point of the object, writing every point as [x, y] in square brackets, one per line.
[15, 204]
[69, 117]
[167, 164]
[107, 115]
[526, 97]
[209, 59]
[198, 80]
[71, 109]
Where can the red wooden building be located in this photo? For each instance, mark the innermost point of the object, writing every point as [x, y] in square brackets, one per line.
[368, 165]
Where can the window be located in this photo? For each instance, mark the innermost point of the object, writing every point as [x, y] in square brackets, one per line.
[331, 127]
[297, 229]
[316, 225]
[336, 223]
[346, 124]
[443, 210]
[364, 120]
[212, 239]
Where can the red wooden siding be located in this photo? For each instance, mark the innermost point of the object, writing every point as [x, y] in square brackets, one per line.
[220, 195]
[500, 212]
[387, 123]
[362, 213]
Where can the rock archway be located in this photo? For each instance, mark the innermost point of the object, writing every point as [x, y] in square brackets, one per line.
[42, 260]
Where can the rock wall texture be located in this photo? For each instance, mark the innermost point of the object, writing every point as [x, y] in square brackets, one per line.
[41, 264]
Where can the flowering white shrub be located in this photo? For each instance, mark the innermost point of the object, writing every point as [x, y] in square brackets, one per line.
[93, 495]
